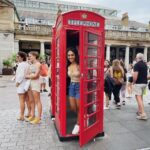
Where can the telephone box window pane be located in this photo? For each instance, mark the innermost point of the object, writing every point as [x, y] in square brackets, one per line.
[91, 62]
[91, 120]
[91, 74]
[92, 85]
[57, 89]
[92, 51]
[92, 38]
[90, 97]
[90, 115]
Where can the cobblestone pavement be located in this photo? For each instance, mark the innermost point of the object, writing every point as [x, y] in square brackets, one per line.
[122, 130]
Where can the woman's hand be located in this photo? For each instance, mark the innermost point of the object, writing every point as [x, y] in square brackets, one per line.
[17, 84]
[27, 76]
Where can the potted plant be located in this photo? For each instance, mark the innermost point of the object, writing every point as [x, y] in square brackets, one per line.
[7, 69]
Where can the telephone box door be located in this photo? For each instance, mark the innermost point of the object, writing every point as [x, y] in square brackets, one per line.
[91, 85]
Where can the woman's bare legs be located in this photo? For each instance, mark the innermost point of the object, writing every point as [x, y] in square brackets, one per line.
[28, 104]
[22, 105]
[38, 103]
[72, 102]
[32, 103]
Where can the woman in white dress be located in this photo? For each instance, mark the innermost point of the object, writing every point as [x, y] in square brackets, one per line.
[21, 81]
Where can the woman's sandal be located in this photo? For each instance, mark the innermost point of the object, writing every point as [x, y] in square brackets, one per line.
[20, 118]
[27, 116]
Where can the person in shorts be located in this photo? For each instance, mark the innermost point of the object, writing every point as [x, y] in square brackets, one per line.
[74, 87]
[130, 81]
[43, 76]
[21, 82]
[140, 83]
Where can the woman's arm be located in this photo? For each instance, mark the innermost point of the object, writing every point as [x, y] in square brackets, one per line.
[111, 72]
[36, 74]
[122, 70]
[20, 74]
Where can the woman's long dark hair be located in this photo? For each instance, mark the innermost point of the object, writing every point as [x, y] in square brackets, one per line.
[75, 51]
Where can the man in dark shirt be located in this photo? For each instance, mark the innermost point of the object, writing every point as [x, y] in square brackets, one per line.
[140, 83]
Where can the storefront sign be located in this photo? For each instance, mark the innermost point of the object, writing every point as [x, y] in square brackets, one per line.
[84, 23]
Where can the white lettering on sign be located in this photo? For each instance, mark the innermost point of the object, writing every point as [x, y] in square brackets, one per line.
[84, 23]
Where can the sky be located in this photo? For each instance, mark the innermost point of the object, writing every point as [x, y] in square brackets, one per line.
[138, 10]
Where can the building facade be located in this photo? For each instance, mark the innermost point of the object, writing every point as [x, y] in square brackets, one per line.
[26, 25]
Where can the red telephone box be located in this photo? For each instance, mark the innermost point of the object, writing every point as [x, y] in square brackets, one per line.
[85, 30]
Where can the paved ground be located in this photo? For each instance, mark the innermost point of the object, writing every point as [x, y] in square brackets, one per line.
[122, 130]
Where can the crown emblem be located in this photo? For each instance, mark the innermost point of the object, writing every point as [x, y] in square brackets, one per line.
[84, 16]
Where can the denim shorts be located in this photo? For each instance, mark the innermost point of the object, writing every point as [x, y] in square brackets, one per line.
[74, 90]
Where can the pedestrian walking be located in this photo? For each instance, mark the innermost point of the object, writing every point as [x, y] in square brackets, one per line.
[129, 81]
[108, 86]
[123, 88]
[140, 83]
[43, 76]
[49, 77]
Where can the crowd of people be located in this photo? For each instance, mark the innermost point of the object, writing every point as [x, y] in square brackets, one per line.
[122, 83]
[31, 78]
[119, 82]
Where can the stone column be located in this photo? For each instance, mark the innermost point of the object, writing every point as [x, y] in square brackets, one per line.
[148, 54]
[145, 53]
[16, 46]
[134, 53]
[117, 52]
[127, 56]
[42, 50]
[108, 52]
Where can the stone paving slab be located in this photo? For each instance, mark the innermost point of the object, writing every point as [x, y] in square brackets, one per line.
[122, 130]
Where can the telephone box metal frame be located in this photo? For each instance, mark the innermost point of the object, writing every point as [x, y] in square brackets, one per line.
[89, 25]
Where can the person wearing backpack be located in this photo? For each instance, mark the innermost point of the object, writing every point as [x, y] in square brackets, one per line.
[43, 76]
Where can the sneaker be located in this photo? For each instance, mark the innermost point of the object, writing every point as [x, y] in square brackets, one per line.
[45, 90]
[142, 117]
[123, 102]
[76, 129]
[29, 119]
[35, 121]
[118, 105]
[138, 113]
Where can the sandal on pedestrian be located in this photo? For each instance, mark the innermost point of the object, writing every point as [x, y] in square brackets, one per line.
[20, 118]
[29, 119]
[35, 121]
